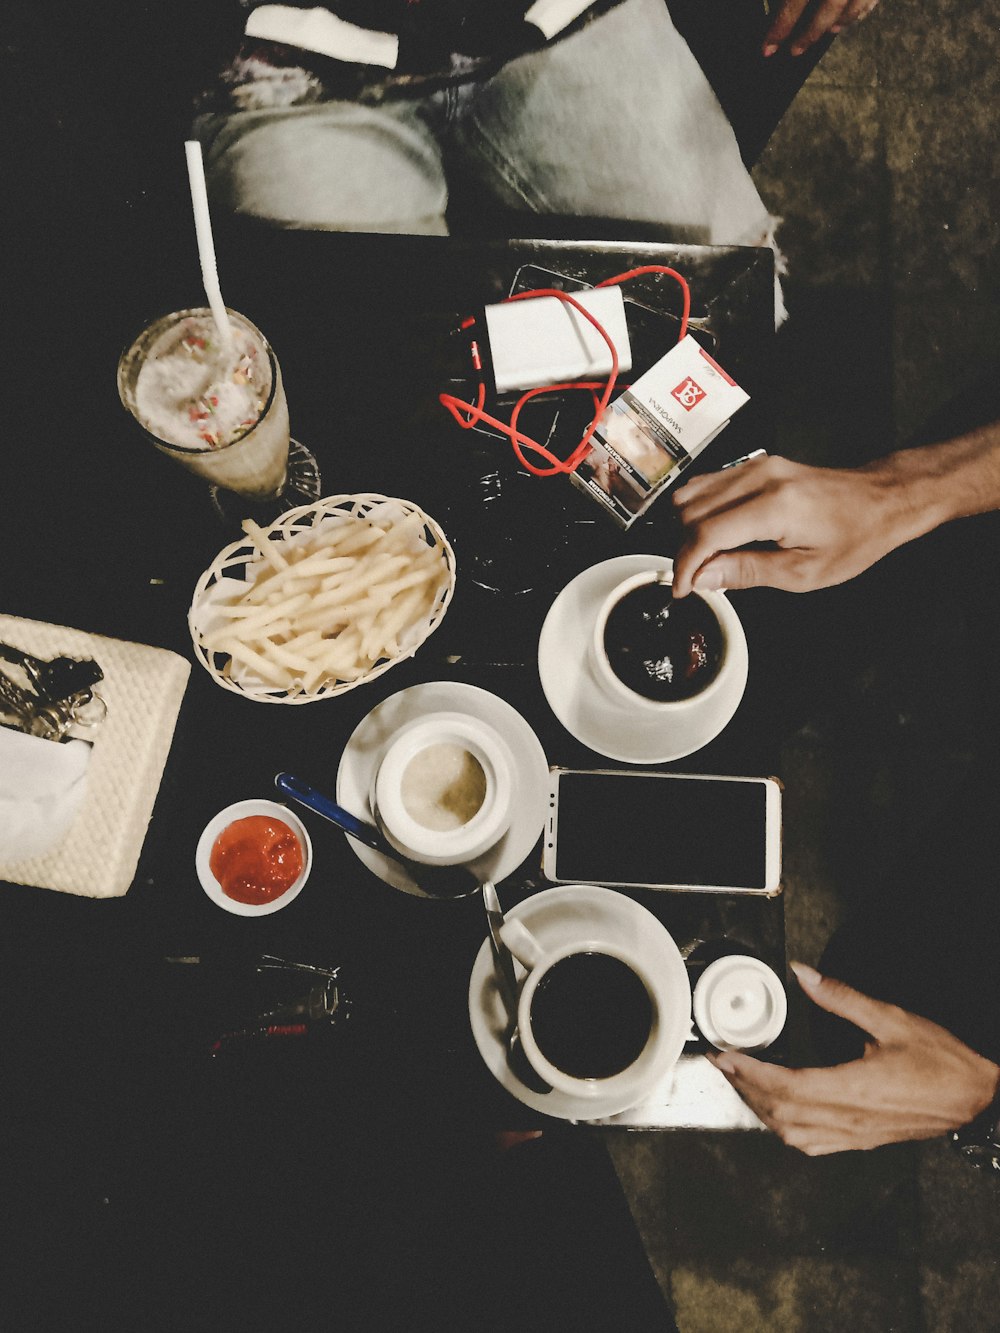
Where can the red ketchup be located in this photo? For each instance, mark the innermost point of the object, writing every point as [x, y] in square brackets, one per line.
[256, 859]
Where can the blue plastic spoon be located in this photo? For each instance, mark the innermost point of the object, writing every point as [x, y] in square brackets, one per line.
[436, 881]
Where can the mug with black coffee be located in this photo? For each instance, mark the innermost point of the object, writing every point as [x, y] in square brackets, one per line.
[591, 1014]
[594, 1019]
[654, 652]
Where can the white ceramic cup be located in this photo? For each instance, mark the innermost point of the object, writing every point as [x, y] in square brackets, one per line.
[616, 689]
[399, 818]
[670, 998]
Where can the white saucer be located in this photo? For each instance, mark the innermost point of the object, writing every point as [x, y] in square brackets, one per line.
[578, 701]
[553, 916]
[370, 739]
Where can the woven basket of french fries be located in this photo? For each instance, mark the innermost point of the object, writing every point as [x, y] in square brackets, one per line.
[328, 597]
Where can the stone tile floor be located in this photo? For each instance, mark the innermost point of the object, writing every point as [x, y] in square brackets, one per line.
[886, 173]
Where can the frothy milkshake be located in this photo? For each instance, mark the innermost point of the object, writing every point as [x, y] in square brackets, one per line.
[221, 411]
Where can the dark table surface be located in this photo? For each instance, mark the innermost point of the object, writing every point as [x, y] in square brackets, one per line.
[102, 533]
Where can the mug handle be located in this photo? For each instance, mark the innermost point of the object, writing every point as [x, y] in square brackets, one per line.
[522, 944]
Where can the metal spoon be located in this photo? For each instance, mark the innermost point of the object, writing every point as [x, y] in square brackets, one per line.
[436, 881]
[503, 968]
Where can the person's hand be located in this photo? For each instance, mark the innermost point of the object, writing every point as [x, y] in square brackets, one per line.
[829, 524]
[915, 1080]
[800, 23]
[505, 1139]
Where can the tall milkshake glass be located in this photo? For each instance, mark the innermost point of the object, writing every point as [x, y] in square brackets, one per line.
[220, 412]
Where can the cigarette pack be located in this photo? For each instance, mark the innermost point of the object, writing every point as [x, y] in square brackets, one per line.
[656, 429]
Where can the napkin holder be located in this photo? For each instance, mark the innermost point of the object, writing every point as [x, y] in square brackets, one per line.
[106, 805]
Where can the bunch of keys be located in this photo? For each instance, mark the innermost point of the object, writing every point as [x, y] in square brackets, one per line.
[53, 699]
[323, 1005]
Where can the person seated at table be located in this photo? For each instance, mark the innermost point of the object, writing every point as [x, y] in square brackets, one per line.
[581, 109]
[901, 1076]
[755, 60]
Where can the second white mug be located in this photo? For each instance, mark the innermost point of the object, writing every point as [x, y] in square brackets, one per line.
[442, 792]
[594, 1020]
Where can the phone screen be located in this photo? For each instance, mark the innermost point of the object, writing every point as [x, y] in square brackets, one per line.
[645, 828]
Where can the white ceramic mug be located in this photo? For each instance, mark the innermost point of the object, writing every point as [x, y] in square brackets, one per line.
[670, 1000]
[473, 763]
[616, 689]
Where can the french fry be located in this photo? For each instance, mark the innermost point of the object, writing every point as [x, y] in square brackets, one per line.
[403, 536]
[280, 630]
[255, 625]
[267, 670]
[267, 548]
[312, 652]
[355, 538]
[384, 592]
[296, 643]
[303, 571]
[389, 622]
[342, 657]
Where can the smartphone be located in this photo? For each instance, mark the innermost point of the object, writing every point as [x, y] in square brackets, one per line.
[532, 277]
[663, 831]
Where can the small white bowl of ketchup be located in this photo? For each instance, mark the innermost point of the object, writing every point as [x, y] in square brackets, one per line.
[254, 857]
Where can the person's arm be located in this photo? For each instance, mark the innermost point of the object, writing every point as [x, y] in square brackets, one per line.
[828, 524]
[915, 1080]
[800, 23]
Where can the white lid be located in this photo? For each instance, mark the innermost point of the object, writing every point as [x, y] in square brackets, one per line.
[739, 1003]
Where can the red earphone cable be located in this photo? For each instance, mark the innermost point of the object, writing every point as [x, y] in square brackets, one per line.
[471, 414]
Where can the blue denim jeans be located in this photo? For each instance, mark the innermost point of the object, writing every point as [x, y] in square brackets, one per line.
[615, 121]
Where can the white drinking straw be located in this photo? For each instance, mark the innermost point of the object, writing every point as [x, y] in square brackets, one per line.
[206, 246]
